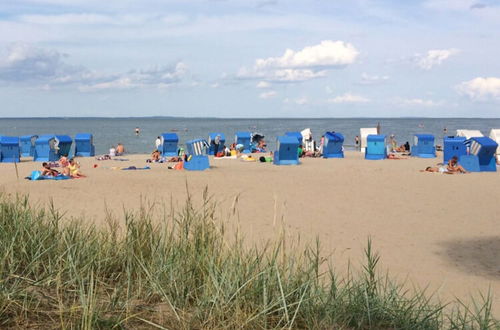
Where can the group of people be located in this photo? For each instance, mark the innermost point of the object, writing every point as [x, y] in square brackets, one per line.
[453, 167]
[69, 168]
[118, 151]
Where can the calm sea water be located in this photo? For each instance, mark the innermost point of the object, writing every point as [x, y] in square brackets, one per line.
[110, 131]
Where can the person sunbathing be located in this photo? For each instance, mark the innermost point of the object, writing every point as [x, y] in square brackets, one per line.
[120, 149]
[454, 167]
[155, 157]
[47, 171]
[74, 169]
[394, 156]
[436, 169]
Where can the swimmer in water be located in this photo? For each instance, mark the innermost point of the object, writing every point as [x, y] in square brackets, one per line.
[137, 131]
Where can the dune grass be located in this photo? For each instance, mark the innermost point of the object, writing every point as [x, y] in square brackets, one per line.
[181, 272]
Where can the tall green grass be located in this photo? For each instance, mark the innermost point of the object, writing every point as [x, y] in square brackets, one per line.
[178, 270]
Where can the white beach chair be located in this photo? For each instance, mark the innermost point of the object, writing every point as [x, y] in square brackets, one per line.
[469, 133]
[495, 136]
[363, 134]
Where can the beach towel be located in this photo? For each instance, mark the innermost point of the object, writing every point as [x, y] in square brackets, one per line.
[136, 168]
[121, 159]
[37, 176]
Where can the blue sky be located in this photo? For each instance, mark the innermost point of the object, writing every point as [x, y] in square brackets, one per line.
[254, 58]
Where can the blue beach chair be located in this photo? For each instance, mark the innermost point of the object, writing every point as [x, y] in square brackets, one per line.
[287, 151]
[64, 144]
[245, 139]
[453, 146]
[27, 143]
[169, 144]
[296, 135]
[10, 151]
[333, 145]
[46, 149]
[197, 159]
[211, 139]
[375, 147]
[481, 156]
[423, 146]
[84, 145]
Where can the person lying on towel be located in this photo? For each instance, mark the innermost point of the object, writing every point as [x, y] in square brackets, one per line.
[47, 171]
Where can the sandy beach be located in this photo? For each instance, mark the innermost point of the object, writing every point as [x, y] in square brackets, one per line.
[434, 230]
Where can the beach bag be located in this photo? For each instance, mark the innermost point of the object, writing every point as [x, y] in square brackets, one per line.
[220, 154]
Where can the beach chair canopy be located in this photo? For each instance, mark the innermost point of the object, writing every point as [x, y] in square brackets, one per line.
[196, 147]
[45, 139]
[306, 134]
[9, 141]
[287, 152]
[296, 135]
[28, 138]
[64, 139]
[469, 133]
[84, 137]
[170, 137]
[212, 136]
[243, 135]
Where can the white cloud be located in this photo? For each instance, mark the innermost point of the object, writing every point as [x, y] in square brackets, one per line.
[23, 63]
[417, 102]
[348, 98]
[434, 57]
[329, 89]
[449, 5]
[64, 19]
[306, 64]
[300, 100]
[327, 54]
[481, 89]
[367, 79]
[263, 84]
[267, 95]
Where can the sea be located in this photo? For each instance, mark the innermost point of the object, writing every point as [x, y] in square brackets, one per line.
[108, 132]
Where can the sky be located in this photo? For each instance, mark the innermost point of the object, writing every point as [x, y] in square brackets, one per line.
[253, 58]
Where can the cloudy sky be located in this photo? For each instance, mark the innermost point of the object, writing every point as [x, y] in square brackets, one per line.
[250, 58]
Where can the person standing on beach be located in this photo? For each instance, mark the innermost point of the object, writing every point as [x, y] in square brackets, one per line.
[137, 131]
[356, 141]
[378, 128]
[158, 143]
[216, 144]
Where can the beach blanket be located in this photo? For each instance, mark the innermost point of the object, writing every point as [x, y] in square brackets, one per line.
[135, 168]
[37, 175]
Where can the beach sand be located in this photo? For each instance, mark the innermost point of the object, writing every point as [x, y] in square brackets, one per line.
[433, 230]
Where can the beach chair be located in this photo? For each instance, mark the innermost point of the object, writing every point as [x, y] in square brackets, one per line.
[423, 146]
[481, 156]
[495, 136]
[27, 143]
[245, 139]
[169, 144]
[375, 147]
[453, 146]
[363, 134]
[46, 149]
[197, 159]
[333, 145]
[211, 145]
[84, 145]
[10, 150]
[64, 144]
[287, 151]
[296, 135]
[469, 133]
